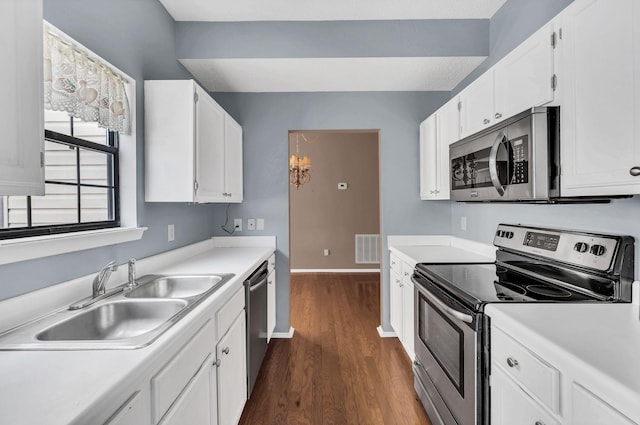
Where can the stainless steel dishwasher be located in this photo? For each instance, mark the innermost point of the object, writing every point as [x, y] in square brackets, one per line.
[256, 310]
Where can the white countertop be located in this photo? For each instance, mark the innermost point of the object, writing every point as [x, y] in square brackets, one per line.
[597, 342]
[67, 387]
[440, 249]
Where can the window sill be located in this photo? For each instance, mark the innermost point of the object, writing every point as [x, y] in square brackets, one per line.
[14, 250]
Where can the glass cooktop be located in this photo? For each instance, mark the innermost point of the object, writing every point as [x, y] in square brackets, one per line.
[478, 284]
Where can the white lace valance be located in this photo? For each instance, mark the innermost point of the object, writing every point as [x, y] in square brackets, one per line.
[83, 86]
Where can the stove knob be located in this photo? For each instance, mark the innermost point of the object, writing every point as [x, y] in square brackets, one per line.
[509, 235]
[581, 247]
[498, 233]
[598, 250]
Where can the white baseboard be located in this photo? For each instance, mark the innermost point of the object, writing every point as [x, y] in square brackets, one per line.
[385, 334]
[335, 270]
[284, 335]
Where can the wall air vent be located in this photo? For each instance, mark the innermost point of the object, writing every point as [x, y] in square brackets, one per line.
[367, 249]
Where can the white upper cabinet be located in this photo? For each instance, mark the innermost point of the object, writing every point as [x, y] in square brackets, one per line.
[521, 80]
[437, 132]
[193, 148]
[599, 83]
[524, 78]
[22, 106]
[233, 157]
[476, 112]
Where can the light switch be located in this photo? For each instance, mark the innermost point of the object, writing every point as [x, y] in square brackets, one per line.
[260, 224]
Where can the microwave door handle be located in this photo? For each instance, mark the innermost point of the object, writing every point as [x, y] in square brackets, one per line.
[493, 162]
[453, 312]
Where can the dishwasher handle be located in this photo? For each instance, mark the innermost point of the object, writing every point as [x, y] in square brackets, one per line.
[256, 283]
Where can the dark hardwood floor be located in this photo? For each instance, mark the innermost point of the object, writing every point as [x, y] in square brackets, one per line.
[336, 369]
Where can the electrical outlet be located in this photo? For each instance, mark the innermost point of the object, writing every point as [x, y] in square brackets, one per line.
[237, 224]
[326, 252]
[171, 232]
[251, 224]
[463, 223]
[260, 224]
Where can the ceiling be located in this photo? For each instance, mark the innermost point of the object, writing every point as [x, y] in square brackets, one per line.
[328, 10]
[359, 72]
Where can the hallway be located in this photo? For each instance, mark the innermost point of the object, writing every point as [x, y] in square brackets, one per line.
[336, 369]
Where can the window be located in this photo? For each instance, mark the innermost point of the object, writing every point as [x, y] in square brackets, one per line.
[81, 182]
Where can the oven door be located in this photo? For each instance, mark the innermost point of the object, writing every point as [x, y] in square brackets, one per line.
[447, 354]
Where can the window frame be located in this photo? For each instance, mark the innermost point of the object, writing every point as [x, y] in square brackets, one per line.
[112, 149]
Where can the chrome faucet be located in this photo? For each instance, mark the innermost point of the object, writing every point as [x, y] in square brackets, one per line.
[132, 273]
[101, 279]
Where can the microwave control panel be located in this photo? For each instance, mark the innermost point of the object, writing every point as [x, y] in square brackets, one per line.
[519, 150]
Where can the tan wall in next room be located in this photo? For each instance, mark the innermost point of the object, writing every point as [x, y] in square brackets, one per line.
[321, 216]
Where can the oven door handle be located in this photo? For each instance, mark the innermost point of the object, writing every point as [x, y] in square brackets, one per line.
[452, 311]
[493, 162]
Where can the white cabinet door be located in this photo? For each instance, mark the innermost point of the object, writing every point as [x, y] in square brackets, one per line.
[395, 303]
[134, 411]
[408, 318]
[510, 405]
[233, 160]
[476, 112]
[524, 78]
[232, 373]
[22, 106]
[194, 404]
[210, 152]
[271, 305]
[599, 84]
[428, 158]
[437, 132]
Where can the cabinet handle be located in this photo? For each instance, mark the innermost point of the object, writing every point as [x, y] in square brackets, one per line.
[498, 115]
[512, 362]
[539, 423]
[226, 350]
[217, 363]
[432, 192]
[635, 171]
[486, 121]
[401, 285]
[406, 273]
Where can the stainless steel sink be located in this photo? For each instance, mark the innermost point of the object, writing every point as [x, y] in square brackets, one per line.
[126, 318]
[114, 320]
[185, 286]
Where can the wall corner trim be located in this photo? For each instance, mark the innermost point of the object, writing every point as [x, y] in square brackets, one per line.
[385, 334]
[284, 335]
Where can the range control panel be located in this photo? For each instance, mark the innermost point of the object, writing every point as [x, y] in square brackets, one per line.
[578, 248]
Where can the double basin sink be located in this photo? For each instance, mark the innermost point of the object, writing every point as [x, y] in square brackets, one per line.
[130, 318]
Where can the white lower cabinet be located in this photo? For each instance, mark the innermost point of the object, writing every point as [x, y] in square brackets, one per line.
[511, 405]
[589, 409]
[528, 388]
[194, 404]
[134, 411]
[401, 302]
[232, 372]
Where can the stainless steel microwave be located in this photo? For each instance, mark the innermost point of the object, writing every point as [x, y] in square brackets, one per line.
[514, 160]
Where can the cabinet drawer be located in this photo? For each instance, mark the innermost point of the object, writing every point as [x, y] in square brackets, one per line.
[227, 314]
[395, 264]
[510, 405]
[589, 409]
[175, 375]
[537, 376]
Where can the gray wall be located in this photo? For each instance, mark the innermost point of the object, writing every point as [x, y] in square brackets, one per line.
[139, 39]
[266, 119]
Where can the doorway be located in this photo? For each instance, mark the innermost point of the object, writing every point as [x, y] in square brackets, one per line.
[334, 211]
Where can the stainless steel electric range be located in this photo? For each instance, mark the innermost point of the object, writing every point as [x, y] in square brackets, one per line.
[532, 264]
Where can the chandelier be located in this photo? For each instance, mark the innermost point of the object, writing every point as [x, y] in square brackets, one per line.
[299, 167]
